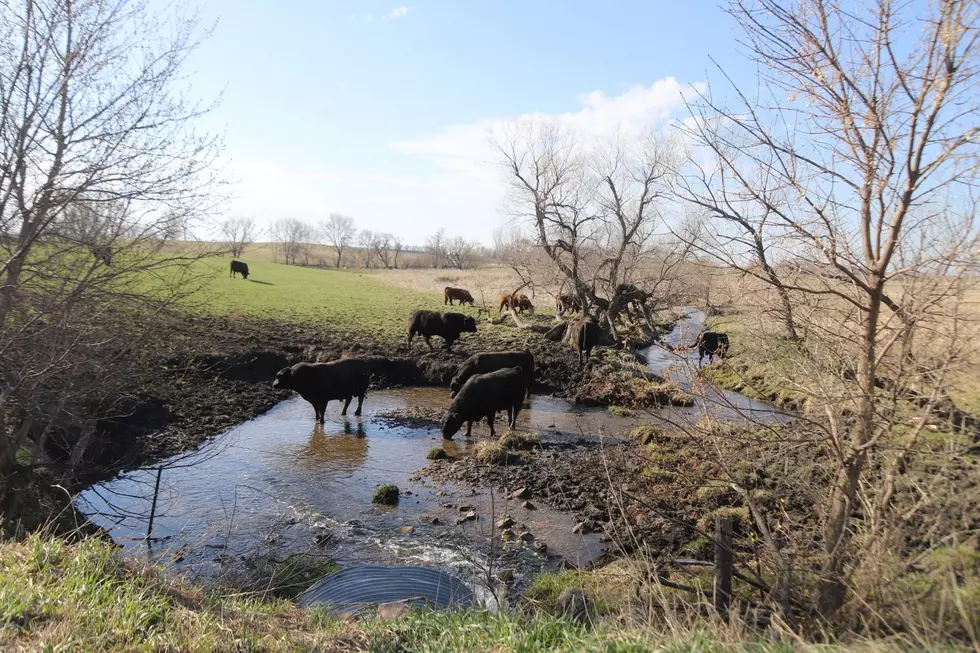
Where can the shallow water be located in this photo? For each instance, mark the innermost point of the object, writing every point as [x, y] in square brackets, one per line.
[273, 483]
[682, 368]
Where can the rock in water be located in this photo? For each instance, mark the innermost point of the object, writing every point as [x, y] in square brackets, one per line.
[522, 494]
[506, 522]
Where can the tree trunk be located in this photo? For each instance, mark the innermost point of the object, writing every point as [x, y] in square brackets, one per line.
[844, 496]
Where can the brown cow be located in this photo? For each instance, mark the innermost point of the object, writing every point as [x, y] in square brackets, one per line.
[461, 295]
[514, 301]
[567, 303]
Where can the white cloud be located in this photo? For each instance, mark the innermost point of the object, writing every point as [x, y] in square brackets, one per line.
[464, 154]
[396, 12]
[450, 177]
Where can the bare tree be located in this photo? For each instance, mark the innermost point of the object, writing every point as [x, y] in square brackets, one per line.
[735, 191]
[459, 252]
[862, 153]
[435, 246]
[100, 168]
[339, 232]
[396, 250]
[592, 210]
[381, 244]
[366, 241]
[289, 236]
[307, 242]
[239, 233]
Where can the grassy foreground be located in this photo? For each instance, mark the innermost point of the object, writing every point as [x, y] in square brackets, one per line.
[56, 596]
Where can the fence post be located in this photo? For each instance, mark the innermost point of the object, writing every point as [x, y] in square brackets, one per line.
[723, 566]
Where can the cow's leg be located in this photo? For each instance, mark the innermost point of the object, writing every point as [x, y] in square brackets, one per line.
[490, 418]
[510, 416]
[449, 343]
[517, 410]
[360, 400]
[346, 404]
[469, 428]
[410, 334]
[321, 410]
[428, 341]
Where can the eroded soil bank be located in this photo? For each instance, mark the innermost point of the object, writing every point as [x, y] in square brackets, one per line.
[216, 373]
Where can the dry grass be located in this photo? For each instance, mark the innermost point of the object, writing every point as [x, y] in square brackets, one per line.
[485, 284]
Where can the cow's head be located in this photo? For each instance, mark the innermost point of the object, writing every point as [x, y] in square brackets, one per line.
[469, 324]
[451, 425]
[454, 385]
[283, 378]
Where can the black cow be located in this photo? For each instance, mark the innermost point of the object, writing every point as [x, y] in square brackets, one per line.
[491, 362]
[320, 383]
[584, 334]
[237, 267]
[449, 326]
[711, 343]
[482, 396]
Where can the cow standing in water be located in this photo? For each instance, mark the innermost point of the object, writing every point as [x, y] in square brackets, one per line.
[237, 267]
[711, 343]
[321, 383]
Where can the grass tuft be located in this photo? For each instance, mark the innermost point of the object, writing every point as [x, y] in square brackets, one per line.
[386, 494]
[437, 453]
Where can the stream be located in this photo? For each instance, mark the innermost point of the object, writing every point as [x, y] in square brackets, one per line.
[280, 484]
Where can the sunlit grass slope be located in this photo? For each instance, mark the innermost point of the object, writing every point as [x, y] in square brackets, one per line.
[331, 299]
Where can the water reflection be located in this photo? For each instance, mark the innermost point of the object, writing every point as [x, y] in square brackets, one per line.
[338, 452]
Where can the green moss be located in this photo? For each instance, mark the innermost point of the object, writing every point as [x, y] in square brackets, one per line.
[647, 433]
[386, 494]
[437, 453]
[619, 411]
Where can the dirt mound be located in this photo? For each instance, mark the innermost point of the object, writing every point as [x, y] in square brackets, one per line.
[618, 379]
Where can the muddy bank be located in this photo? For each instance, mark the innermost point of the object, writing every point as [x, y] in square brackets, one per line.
[603, 486]
[217, 374]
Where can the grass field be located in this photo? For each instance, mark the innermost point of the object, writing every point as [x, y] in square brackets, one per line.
[332, 299]
[56, 596]
[368, 302]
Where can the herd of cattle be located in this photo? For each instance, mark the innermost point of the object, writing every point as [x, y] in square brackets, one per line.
[483, 385]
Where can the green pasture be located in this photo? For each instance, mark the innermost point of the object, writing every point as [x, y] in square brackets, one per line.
[328, 298]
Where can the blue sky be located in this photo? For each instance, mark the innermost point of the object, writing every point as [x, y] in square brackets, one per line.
[381, 110]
